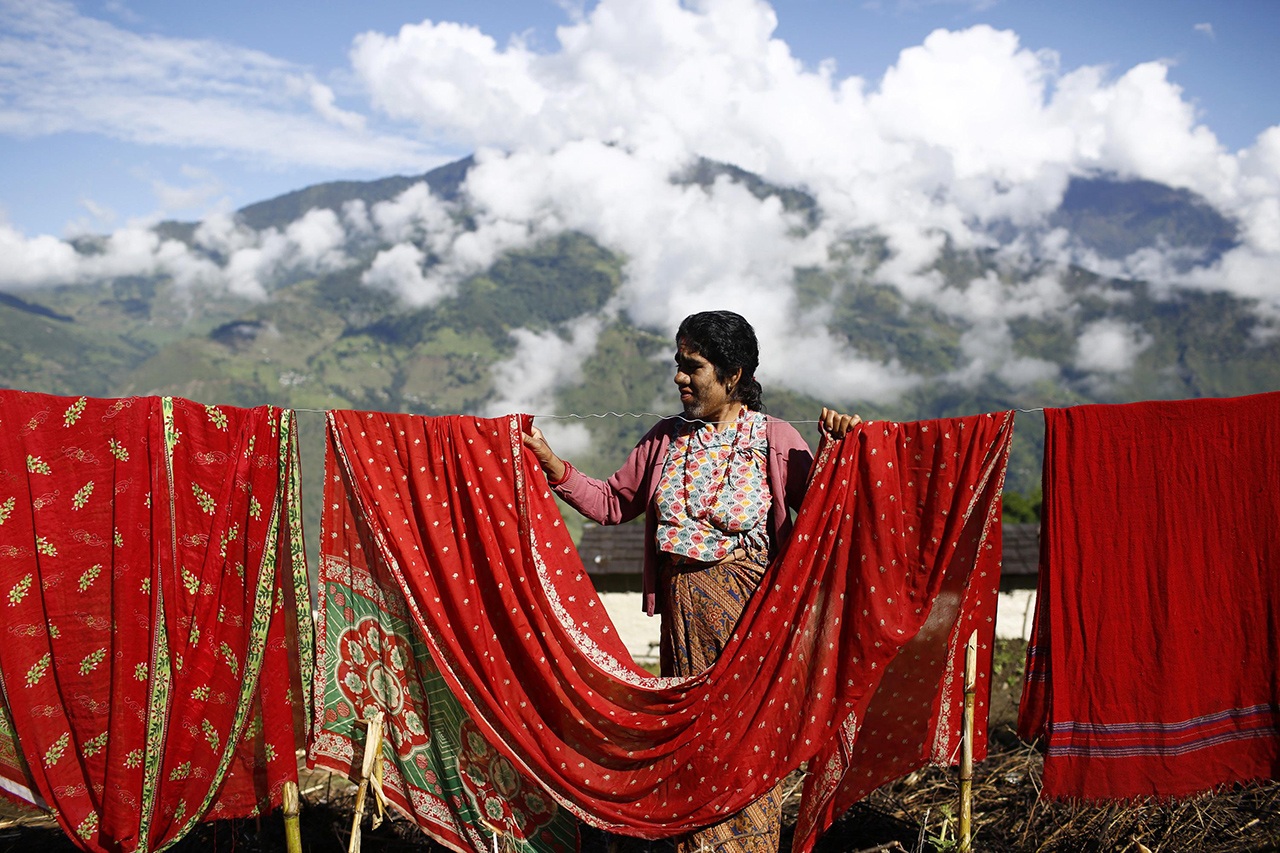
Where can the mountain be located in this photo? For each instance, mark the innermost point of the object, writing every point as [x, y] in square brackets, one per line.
[328, 341]
[1117, 218]
[281, 210]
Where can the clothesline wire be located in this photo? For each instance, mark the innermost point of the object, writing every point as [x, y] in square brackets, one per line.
[590, 415]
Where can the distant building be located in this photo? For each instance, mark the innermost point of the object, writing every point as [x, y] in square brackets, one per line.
[614, 556]
[1020, 562]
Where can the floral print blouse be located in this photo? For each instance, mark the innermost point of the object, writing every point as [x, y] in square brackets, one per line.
[713, 496]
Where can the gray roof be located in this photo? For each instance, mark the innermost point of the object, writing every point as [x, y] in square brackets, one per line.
[615, 550]
[620, 550]
[1021, 550]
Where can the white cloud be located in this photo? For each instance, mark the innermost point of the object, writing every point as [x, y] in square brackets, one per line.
[453, 71]
[98, 219]
[1205, 28]
[669, 82]
[175, 199]
[123, 12]
[1110, 346]
[66, 72]
[311, 245]
[322, 100]
[989, 351]
[35, 261]
[988, 304]
[968, 128]
[355, 213]
[688, 249]
[806, 358]
[221, 233]
[543, 363]
[418, 217]
[45, 260]
[400, 270]
[317, 239]
[414, 214]
[989, 299]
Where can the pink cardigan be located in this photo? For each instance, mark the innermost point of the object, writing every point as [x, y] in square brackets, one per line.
[629, 492]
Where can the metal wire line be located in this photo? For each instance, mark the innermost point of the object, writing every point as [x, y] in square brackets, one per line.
[590, 415]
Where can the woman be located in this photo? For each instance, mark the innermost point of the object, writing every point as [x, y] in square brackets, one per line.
[715, 486]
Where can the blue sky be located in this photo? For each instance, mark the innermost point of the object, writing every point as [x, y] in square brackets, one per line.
[98, 172]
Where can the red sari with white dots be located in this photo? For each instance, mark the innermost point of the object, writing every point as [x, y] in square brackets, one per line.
[850, 656]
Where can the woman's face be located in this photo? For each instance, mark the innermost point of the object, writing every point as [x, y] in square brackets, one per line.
[703, 396]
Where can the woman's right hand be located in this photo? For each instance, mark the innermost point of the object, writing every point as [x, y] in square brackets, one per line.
[836, 423]
[552, 465]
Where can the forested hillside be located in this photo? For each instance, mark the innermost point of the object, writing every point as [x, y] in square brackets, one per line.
[325, 338]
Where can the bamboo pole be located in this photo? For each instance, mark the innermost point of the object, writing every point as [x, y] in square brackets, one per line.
[966, 743]
[292, 832]
[372, 748]
[376, 784]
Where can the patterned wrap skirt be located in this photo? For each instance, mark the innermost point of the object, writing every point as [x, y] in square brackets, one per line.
[702, 605]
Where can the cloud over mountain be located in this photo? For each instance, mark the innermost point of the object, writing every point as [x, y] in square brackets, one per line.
[967, 131]
[967, 138]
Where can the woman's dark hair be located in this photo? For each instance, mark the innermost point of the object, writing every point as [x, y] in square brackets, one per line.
[727, 341]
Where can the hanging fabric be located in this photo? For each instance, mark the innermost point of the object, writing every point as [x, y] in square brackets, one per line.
[1153, 668]
[157, 628]
[850, 655]
[438, 769]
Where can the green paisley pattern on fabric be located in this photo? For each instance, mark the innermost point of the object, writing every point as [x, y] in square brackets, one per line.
[434, 757]
[19, 590]
[161, 667]
[88, 826]
[82, 497]
[74, 411]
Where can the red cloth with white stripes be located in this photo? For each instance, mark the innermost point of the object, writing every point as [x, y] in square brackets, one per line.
[1154, 665]
[856, 633]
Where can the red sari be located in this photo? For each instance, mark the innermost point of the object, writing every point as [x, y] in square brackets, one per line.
[857, 639]
[157, 621]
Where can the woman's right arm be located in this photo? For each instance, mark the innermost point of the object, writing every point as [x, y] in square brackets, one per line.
[620, 498]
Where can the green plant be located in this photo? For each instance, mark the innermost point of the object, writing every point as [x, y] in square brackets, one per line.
[1016, 508]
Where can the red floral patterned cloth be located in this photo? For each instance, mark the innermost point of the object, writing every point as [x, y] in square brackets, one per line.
[156, 616]
[856, 635]
[1154, 664]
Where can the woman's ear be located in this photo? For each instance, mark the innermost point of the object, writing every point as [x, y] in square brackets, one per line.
[731, 384]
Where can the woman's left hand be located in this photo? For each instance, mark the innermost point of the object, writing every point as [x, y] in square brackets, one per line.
[838, 424]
